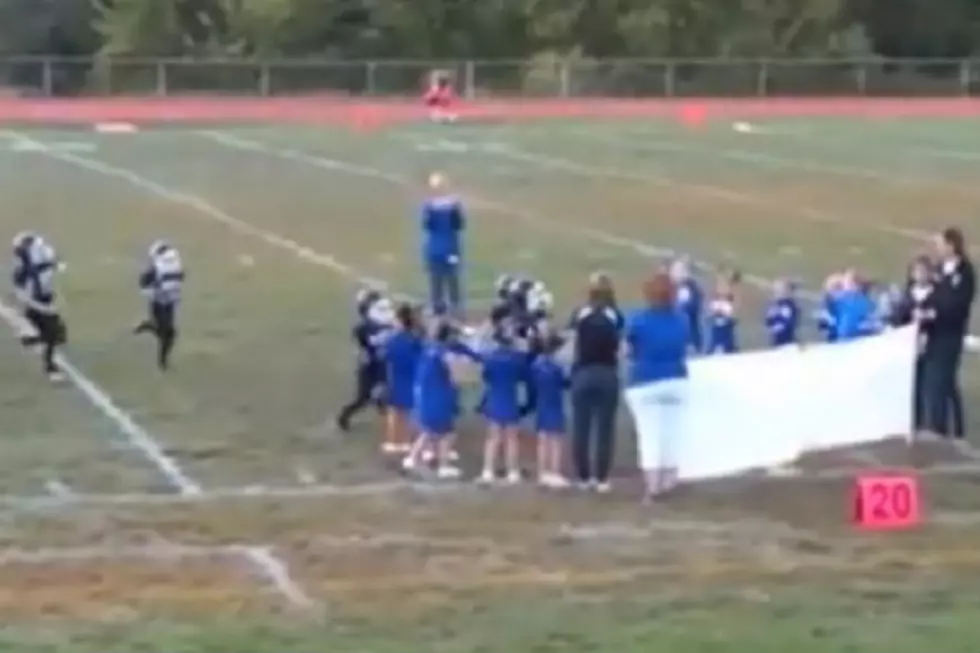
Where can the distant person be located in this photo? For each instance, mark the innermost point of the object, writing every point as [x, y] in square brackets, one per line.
[783, 315]
[657, 339]
[550, 383]
[402, 351]
[443, 225]
[436, 402]
[828, 317]
[690, 300]
[856, 310]
[162, 283]
[955, 290]
[375, 319]
[504, 371]
[597, 329]
[440, 97]
[916, 305]
[722, 319]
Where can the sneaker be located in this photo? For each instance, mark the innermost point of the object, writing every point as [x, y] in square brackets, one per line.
[389, 448]
[487, 477]
[585, 486]
[448, 472]
[514, 477]
[429, 456]
[557, 482]
[56, 376]
[408, 464]
[603, 488]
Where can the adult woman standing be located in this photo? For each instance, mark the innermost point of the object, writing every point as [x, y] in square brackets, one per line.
[657, 338]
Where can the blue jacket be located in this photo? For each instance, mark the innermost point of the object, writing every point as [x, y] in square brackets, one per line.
[504, 371]
[658, 340]
[550, 383]
[442, 227]
[856, 315]
[436, 398]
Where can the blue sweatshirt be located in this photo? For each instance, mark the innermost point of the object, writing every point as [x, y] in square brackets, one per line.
[783, 321]
[402, 353]
[856, 315]
[658, 340]
[550, 383]
[436, 398]
[504, 372]
[828, 321]
[442, 226]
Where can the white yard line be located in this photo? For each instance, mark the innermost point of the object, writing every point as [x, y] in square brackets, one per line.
[139, 438]
[169, 551]
[58, 489]
[45, 502]
[653, 141]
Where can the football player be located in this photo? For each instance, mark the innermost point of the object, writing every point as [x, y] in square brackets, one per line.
[375, 321]
[161, 283]
[34, 268]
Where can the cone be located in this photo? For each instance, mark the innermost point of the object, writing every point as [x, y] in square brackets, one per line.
[693, 115]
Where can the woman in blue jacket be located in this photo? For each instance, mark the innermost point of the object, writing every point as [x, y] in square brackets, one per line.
[657, 338]
[402, 352]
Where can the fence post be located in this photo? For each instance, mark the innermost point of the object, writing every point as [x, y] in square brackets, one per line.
[965, 77]
[762, 79]
[564, 79]
[861, 77]
[469, 76]
[47, 77]
[161, 75]
[370, 81]
[265, 81]
[669, 79]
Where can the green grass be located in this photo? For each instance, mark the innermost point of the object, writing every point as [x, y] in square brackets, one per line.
[275, 223]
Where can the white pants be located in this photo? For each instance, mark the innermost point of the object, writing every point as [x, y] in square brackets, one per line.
[659, 412]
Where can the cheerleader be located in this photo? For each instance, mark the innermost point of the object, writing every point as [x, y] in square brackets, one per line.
[550, 382]
[783, 315]
[690, 300]
[401, 354]
[436, 402]
[828, 315]
[722, 320]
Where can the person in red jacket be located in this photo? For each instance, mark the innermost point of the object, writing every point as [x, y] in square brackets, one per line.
[440, 97]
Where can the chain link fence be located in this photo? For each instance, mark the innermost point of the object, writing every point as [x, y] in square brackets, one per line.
[546, 77]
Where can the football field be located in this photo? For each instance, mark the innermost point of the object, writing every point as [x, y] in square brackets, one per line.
[216, 507]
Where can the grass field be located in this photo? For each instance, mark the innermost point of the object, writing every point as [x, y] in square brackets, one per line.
[215, 508]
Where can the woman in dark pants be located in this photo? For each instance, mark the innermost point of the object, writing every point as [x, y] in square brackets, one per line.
[595, 385]
[955, 288]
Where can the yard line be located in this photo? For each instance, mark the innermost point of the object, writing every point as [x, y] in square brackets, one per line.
[751, 157]
[169, 551]
[57, 488]
[45, 502]
[137, 436]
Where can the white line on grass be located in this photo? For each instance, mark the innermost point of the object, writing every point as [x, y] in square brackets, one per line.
[139, 438]
[169, 551]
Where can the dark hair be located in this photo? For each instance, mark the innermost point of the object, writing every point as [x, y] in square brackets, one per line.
[953, 237]
[659, 290]
[406, 316]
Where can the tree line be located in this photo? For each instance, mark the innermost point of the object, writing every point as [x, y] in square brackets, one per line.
[490, 29]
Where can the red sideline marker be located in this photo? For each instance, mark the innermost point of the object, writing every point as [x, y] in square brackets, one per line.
[890, 501]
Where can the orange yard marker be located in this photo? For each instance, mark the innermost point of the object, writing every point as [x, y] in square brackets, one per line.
[887, 501]
[693, 115]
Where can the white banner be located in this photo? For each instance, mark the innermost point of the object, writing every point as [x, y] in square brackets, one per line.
[762, 409]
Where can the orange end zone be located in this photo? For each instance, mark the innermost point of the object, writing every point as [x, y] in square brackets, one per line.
[367, 115]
